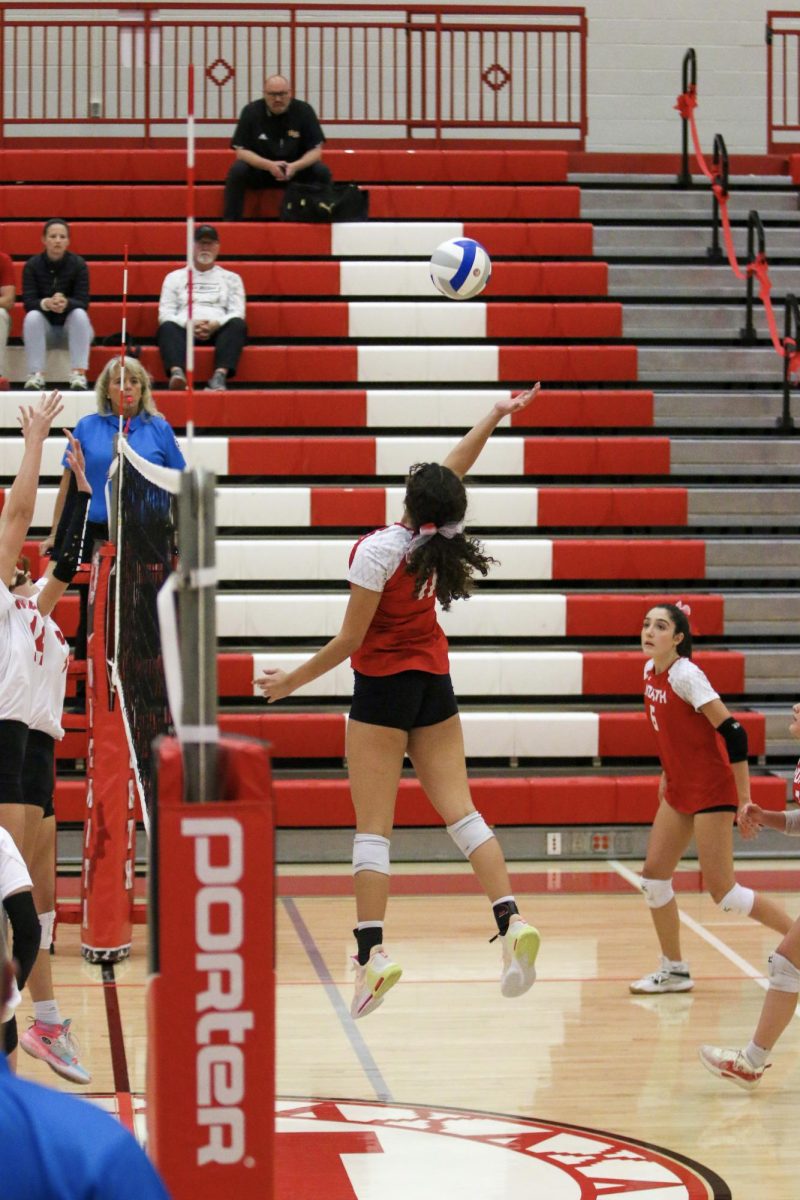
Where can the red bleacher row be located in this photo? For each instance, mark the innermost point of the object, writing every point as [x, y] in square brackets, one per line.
[605, 673]
[400, 166]
[332, 320]
[434, 201]
[587, 615]
[521, 800]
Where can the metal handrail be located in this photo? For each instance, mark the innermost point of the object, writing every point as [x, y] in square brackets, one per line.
[790, 341]
[754, 228]
[688, 79]
[720, 177]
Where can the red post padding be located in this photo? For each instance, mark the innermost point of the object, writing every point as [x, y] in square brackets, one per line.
[109, 843]
[211, 995]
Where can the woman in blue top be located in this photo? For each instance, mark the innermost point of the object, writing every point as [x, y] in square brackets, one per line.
[148, 433]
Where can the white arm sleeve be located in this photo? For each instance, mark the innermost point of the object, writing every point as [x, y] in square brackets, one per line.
[689, 682]
[793, 822]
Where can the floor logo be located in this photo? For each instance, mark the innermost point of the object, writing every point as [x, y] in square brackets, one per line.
[349, 1150]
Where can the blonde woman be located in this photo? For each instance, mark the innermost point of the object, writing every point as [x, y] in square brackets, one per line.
[148, 433]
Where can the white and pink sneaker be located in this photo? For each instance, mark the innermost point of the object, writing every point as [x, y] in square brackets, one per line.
[56, 1046]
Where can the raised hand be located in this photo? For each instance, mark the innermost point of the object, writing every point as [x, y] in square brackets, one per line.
[514, 403]
[36, 420]
[77, 463]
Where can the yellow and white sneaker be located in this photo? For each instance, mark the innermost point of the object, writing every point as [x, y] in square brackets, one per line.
[373, 981]
[520, 947]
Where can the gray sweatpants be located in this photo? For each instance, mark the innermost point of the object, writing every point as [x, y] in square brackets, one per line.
[5, 328]
[39, 336]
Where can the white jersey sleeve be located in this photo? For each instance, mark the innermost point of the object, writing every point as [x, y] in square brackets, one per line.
[6, 598]
[378, 556]
[690, 684]
[14, 876]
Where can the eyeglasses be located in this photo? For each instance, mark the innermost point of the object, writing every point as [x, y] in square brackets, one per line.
[276, 95]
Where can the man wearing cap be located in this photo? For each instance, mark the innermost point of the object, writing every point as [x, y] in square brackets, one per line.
[277, 139]
[218, 305]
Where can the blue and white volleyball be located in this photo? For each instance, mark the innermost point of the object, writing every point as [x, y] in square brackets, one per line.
[460, 268]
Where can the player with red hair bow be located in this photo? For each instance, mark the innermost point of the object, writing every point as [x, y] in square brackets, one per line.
[704, 786]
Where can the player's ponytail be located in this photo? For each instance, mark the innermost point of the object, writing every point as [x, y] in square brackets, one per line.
[679, 614]
[441, 553]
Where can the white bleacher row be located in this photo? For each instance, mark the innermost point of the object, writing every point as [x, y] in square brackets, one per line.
[394, 239]
[475, 673]
[325, 559]
[393, 456]
[290, 507]
[295, 614]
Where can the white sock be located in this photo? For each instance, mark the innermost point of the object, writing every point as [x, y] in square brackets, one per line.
[47, 1012]
[676, 964]
[755, 1055]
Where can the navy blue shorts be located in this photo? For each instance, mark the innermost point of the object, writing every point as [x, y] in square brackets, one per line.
[39, 771]
[13, 737]
[408, 700]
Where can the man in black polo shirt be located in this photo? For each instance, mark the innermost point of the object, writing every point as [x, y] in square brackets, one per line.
[277, 139]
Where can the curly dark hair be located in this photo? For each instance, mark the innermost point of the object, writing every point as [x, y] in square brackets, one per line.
[436, 496]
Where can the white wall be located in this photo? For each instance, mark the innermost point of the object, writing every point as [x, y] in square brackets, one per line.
[635, 48]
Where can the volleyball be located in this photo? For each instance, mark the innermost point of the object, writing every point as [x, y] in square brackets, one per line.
[460, 268]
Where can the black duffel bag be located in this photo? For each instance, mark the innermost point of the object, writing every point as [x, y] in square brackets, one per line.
[324, 202]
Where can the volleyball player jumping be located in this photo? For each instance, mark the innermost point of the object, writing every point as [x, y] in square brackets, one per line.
[403, 703]
[705, 784]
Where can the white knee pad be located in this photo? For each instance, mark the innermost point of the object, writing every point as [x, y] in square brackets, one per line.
[783, 975]
[371, 853]
[739, 900]
[657, 892]
[469, 833]
[47, 921]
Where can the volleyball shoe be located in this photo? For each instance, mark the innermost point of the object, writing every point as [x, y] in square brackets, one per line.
[671, 977]
[733, 1065]
[56, 1046]
[520, 947]
[373, 980]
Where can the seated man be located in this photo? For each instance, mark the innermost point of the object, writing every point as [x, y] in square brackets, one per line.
[218, 303]
[8, 295]
[55, 292]
[277, 139]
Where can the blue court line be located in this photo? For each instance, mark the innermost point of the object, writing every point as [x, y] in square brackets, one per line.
[360, 1047]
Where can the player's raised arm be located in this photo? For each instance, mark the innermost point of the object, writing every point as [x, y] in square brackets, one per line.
[462, 457]
[35, 421]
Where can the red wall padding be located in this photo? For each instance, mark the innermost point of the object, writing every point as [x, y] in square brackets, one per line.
[301, 456]
[597, 456]
[621, 616]
[569, 364]
[604, 558]
[613, 506]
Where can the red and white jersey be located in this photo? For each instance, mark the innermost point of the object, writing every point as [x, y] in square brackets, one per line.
[404, 634]
[796, 784]
[14, 877]
[692, 753]
[21, 654]
[50, 683]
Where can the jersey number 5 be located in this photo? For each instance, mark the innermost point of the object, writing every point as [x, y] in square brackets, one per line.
[652, 709]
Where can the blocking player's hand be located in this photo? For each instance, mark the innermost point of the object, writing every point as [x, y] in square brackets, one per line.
[36, 420]
[274, 684]
[514, 403]
[77, 464]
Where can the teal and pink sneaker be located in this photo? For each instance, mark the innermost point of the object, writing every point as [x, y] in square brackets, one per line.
[56, 1046]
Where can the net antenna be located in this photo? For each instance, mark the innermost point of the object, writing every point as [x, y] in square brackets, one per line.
[124, 347]
[190, 266]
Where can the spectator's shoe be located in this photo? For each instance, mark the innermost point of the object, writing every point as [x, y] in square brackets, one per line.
[78, 381]
[55, 1045]
[4, 384]
[672, 977]
[373, 981]
[35, 382]
[218, 381]
[733, 1065]
[520, 947]
[177, 380]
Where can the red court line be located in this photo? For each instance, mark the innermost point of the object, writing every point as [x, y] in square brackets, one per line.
[553, 881]
[119, 1060]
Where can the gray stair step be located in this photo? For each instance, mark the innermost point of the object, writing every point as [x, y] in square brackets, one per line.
[779, 740]
[771, 671]
[735, 456]
[725, 409]
[738, 364]
[601, 180]
[744, 506]
[690, 321]
[669, 241]
[753, 558]
[692, 281]
[629, 203]
[770, 614]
